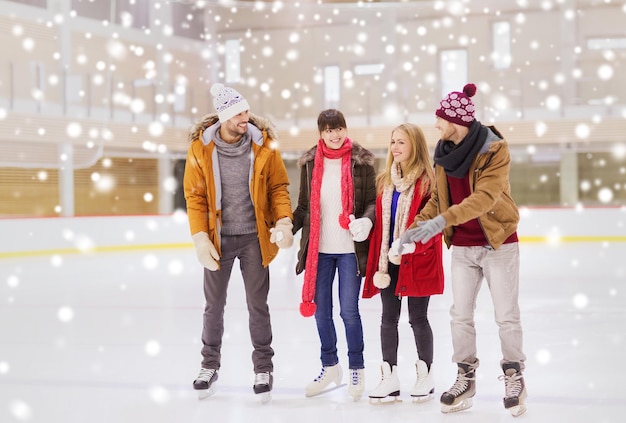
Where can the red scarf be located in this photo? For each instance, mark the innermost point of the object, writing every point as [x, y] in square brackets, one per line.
[307, 307]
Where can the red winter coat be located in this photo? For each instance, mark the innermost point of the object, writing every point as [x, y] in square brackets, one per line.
[420, 273]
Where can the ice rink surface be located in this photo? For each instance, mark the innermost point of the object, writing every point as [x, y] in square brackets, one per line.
[115, 337]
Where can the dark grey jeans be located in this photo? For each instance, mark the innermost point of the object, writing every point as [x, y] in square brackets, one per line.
[256, 281]
[418, 319]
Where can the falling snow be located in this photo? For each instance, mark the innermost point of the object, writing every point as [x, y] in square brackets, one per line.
[103, 317]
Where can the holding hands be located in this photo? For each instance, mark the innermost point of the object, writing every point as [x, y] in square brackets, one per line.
[281, 234]
[423, 232]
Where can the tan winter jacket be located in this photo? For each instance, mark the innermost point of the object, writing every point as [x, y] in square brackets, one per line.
[490, 200]
[268, 184]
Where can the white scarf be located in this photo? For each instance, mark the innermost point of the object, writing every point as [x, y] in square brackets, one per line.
[406, 187]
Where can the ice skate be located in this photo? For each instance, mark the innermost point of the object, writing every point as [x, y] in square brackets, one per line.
[388, 390]
[459, 396]
[424, 385]
[205, 383]
[328, 375]
[263, 383]
[515, 389]
[357, 383]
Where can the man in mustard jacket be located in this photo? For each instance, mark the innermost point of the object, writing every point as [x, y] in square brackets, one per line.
[238, 205]
[472, 205]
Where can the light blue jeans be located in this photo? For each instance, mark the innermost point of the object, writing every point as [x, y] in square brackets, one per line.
[349, 288]
[500, 268]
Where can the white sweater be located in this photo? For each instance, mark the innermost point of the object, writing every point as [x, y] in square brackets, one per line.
[333, 238]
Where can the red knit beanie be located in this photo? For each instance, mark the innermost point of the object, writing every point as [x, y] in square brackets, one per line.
[458, 107]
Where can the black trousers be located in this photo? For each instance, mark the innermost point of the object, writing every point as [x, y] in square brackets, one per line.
[418, 319]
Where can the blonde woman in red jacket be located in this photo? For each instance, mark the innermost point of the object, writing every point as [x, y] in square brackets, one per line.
[403, 188]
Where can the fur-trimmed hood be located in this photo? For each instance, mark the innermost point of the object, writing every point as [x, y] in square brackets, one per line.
[263, 124]
[360, 155]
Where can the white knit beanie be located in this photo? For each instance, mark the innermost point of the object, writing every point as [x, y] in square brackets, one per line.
[228, 102]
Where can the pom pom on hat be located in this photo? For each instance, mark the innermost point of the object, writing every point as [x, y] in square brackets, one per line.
[457, 107]
[307, 308]
[227, 101]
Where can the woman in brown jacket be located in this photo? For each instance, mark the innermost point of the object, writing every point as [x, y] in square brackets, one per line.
[335, 211]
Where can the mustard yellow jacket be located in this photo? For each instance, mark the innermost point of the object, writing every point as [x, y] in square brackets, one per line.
[268, 183]
[490, 200]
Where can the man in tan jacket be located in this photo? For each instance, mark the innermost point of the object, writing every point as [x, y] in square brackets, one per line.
[473, 207]
[238, 205]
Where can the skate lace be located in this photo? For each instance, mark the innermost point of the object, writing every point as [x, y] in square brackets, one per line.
[262, 378]
[321, 375]
[512, 384]
[206, 374]
[355, 377]
[460, 385]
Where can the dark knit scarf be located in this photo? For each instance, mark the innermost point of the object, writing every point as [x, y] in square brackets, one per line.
[307, 307]
[457, 158]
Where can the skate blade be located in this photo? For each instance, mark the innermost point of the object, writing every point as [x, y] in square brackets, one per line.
[325, 391]
[388, 400]
[518, 410]
[205, 393]
[356, 397]
[421, 398]
[265, 397]
[460, 406]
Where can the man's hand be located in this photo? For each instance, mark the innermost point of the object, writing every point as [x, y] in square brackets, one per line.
[205, 250]
[281, 234]
[396, 252]
[423, 232]
[360, 228]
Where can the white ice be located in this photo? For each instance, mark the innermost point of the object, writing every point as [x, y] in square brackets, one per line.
[115, 337]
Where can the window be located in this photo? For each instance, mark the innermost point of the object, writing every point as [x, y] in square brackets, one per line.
[501, 54]
[188, 21]
[128, 13]
[332, 85]
[453, 70]
[38, 3]
[133, 13]
[232, 58]
[369, 69]
[100, 10]
[606, 43]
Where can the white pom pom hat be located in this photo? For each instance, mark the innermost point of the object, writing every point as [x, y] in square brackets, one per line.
[228, 102]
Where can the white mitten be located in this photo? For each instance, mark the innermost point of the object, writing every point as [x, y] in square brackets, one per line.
[395, 253]
[360, 228]
[205, 250]
[281, 234]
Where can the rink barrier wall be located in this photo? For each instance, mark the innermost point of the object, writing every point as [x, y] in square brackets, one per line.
[106, 234]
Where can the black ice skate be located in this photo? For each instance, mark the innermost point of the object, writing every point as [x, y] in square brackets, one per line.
[205, 383]
[263, 386]
[459, 396]
[514, 388]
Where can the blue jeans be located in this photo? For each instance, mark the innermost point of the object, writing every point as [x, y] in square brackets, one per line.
[349, 289]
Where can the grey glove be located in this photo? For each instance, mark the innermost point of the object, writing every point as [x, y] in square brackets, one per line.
[423, 232]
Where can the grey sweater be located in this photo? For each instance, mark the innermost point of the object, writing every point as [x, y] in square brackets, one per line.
[237, 208]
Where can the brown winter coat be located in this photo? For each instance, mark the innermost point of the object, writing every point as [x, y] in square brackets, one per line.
[490, 200]
[268, 185]
[364, 177]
